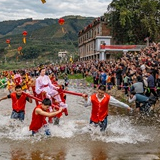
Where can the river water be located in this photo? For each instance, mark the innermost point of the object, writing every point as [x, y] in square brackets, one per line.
[73, 140]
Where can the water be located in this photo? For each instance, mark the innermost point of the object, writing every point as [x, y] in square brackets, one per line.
[74, 139]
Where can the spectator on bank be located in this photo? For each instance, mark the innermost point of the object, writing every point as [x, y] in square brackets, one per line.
[118, 77]
[151, 85]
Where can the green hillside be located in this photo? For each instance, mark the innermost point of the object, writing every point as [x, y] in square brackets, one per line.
[45, 38]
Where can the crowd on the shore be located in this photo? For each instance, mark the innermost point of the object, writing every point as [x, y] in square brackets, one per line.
[143, 66]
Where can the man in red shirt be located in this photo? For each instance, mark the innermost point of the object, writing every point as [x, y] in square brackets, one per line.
[39, 115]
[18, 103]
[99, 102]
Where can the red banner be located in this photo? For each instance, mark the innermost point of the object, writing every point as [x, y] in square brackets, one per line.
[118, 46]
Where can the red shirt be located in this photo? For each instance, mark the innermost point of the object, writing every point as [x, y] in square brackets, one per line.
[18, 104]
[37, 120]
[99, 109]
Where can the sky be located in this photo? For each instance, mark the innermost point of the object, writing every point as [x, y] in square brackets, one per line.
[22, 9]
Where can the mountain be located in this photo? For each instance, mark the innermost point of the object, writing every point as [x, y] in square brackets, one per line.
[45, 38]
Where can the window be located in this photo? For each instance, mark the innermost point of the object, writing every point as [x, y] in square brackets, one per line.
[103, 43]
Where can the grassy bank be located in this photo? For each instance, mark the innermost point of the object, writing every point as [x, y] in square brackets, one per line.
[89, 79]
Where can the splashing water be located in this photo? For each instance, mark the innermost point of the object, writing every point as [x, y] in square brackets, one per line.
[119, 130]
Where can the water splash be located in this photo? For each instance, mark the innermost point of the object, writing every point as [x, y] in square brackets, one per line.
[120, 130]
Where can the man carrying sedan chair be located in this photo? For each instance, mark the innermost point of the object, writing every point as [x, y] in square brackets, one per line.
[99, 102]
[39, 115]
[18, 103]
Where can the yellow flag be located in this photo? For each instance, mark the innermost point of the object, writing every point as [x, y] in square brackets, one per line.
[63, 30]
[43, 1]
[24, 40]
[71, 60]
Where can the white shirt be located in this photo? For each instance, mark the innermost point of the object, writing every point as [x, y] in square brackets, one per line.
[112, 101]
[132, 99]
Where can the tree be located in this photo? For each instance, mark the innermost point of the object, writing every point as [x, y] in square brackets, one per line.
[131, 21]
[30, 53]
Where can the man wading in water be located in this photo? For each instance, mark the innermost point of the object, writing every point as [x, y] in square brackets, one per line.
[39, 115]
[99, 102]
[18, 103]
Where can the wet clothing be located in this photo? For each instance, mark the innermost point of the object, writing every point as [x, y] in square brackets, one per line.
[37, 120]
[18, 102]
[18, 105]
[99, 111]
[18, 115]
[99, 108]
[139, 98]
[102, 124]
[46, 131]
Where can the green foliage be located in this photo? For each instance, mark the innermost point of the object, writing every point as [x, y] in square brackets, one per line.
[131, 21]
[30, 53]
[45, 38]
[1, 51]
[13, 65]
[118, 55]
[89, 79]
[75, 76]
[9, 26]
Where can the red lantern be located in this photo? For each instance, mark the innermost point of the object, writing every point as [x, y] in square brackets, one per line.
[24, 33]
[19, 48]
[8, 41]
[61, 21]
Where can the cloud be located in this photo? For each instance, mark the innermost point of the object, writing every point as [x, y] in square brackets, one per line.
[21, 9]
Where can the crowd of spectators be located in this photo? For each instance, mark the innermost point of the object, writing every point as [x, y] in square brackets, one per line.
[132, 67]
